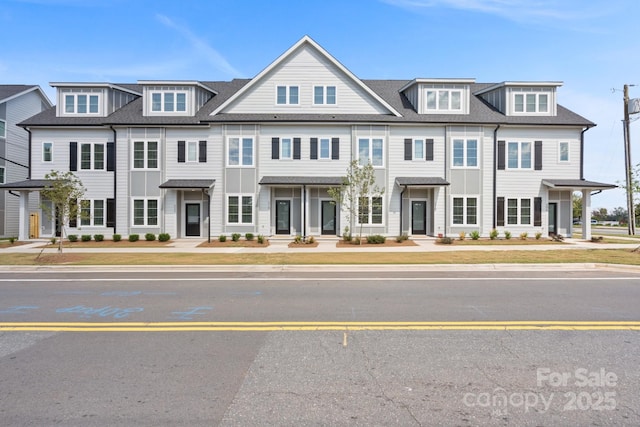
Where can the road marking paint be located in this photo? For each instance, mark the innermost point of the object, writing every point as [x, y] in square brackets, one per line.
[317, 279]
[318, 326]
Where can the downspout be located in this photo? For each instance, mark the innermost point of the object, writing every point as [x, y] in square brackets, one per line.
[401, 203]
[209, 215]
[29, 145]
[495, 176]
[304, 212]
[115, 186]
[446, 196]
[582, 153]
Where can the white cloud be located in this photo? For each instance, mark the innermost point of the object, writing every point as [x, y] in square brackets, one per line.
[201, 46]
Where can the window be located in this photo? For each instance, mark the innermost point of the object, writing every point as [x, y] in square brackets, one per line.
[285, 148]
[145, 155]
[47, 151]
[370, 151]
[81, 104]
[418, 149]
[370, 210]
[145, 212]
[325, 148]
[169, 102]
[465, 211]
[92, 212]
[519, 211]
[563, 152]
[240, 210]
[531, 102]
[2, 178]
[444, 100]
[3, 129]
[240, 152]
[519, 155]
[324, 95]
[92, 156]
[287, 95]
[465, 152]
[192, 151]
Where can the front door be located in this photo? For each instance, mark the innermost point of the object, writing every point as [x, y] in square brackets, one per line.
[283, 217]
[553, 218]
[192, 227]
[419, 217]
[328, 217]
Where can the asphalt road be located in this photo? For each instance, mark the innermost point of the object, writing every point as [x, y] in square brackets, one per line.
[317, 347]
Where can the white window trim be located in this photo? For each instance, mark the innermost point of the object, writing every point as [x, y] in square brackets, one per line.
[324, 102]
[524, 94]
[240, 196]
[282, 156]
[175, 93]
[369, 222]
[42, 158]
[330, 156]
[187, 151]
[4, 133]
[3, 176]
[146, 154]
[465, 156]
[75, 104]
[287, 95]
[92, 213]
[92, 153]
[448, 109]
[424, 150]
[370, 139]
[465, 207]
[518, 211]
[519, 167]
[146, 212]
[560, 152]
[240, 151]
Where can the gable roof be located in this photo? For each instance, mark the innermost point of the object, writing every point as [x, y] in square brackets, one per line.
[309, 41]
[9, 92]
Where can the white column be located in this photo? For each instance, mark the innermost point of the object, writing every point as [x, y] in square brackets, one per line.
[23, 218]
[586, 214]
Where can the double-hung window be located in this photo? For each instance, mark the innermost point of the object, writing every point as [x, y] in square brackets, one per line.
[47, 151]
[325, 148]
[287, 95]
[81, 104]
[169, 102]
[92, 212]
[145, 212]
[240, 209]
[240, 152]
[563, 152]
[286, 149]
[370, 151]
[91, 156]
[519, 211]
[324, 95]
[145, 154]
[370, 210]
[444, 100]
[465, 210]
[531, 102]
[2, 177]
[519, 155]
[3, 129]
[465, 153]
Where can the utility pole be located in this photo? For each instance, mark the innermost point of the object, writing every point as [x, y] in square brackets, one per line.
[627, 158]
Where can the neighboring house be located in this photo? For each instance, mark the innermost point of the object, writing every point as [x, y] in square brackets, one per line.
[198, 159]
[17, 103]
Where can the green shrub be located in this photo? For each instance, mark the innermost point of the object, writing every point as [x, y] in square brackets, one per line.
[12, 240]
[346, 235]
[235, 237]
[72, 237]
[164, 237]
[475, 235]
[538, 235]
[260, 239]
[53, 240]
[248, 236]
[117, 237]
[98, 237]
[524, 235]
[85, 237]
[297, 239]
[403, 237]
[507, 235]
[311, 240]
[222, 238]
[149, 237]
[445, 240]
[134, 237]
[376, 239]
[493, 235]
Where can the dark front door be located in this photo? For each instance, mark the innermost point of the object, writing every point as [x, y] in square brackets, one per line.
[328, 218]
[553, 218]
[193, 219]
[283, 217]
[419, 217]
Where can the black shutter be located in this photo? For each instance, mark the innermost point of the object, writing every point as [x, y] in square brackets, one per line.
[314, 149]
[501, 155]
[111, 213]
[408, 148]
[296, 148]
[537, 211]
[335, 148]
[429, 149]
[73, 219]
[538, 155]
[111, 156]
[275, 148]
[500, 212]
[73, 156]
[181, 152]
[202, 151]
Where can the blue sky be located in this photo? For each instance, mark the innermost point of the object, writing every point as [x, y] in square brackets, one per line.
[590, 45]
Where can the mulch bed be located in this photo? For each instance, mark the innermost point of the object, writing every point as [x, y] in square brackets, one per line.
[231, 244]
[7, 244]
[303, 245]
[387, 244]
[109, 244]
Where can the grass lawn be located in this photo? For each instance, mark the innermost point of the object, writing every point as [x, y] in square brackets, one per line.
[612, 256]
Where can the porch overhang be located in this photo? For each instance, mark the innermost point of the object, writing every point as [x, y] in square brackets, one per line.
[576, 184]
[421, 181]
[327, 181]
[188, 184]
[27, 185]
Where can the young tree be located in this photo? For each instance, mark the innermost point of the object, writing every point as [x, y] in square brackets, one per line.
[64, 192]
[358, 187]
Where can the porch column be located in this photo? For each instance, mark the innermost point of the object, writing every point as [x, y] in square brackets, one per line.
[23, 216]
[586, 214]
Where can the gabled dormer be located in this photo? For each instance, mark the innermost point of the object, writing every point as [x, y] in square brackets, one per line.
[91, 99]
[174, 98]
[522, 98]
[439, 96]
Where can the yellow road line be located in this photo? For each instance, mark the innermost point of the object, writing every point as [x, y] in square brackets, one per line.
[317, 326]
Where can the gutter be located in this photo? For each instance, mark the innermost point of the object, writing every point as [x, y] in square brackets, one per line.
[495, 175]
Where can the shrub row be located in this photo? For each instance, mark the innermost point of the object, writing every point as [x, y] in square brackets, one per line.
[149, 237]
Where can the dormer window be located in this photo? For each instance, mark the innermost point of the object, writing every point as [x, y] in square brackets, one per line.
[444, 100]
[169, 102]
[531, 103]
[81, 104]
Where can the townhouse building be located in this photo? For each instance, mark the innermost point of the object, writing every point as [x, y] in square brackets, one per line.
[206, 158]
[17, 103]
